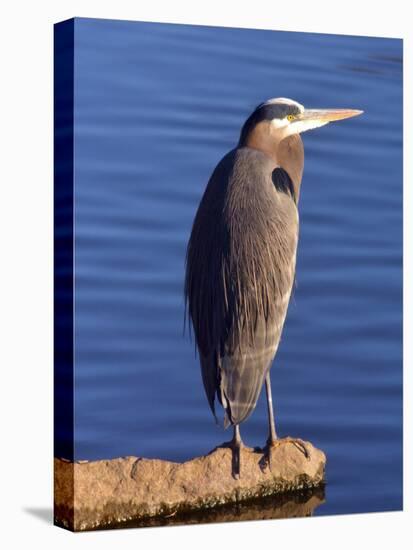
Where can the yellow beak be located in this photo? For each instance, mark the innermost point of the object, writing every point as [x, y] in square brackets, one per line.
[328, 115]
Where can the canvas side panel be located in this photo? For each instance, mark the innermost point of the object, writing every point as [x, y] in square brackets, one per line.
[63, 271]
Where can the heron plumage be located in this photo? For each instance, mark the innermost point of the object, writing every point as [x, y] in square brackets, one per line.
[240, 263]
[237, 286]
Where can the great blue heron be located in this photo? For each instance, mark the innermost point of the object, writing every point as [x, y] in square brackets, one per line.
[241, 256]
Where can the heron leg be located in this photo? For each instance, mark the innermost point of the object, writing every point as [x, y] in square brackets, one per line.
[272, 436]
[236, 444]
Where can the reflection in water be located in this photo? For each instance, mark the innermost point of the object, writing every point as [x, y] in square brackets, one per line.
[289, 505]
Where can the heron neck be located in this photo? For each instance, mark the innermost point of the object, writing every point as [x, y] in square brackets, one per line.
[290, 155]
[287, 153]
[260, 138]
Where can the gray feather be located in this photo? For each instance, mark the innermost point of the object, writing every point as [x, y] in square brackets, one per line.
[239, 275]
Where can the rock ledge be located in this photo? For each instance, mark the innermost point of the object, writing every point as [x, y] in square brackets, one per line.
[138, 491]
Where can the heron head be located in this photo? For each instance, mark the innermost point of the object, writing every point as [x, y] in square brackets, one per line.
[279, 118]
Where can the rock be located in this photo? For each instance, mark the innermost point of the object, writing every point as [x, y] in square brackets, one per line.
[139, 491]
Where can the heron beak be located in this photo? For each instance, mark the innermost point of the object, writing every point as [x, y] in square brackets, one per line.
[324, 116]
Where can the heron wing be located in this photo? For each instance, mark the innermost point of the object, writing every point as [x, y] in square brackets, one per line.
[243, 372]
[210, 378]
[239, 274]
[236, 378]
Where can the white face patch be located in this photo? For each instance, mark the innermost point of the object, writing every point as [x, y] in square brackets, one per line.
[284, 128]
[278, 123]
[303, 125]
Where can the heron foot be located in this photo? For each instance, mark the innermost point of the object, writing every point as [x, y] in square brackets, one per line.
[236, 460]
[274, 442]
[236, 444]
[271, 443]
[299, 443]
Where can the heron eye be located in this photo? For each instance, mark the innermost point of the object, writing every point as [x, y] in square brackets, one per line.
[291, 117]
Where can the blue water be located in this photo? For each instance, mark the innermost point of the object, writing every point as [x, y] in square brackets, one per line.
[156, 107]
